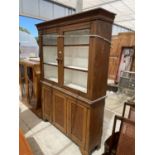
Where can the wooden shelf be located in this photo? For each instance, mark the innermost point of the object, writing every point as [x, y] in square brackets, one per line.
[51, 63]
[76, 45]
[50, 45]
[51, 79]
[35, 59]
[77, 87]
[77, 68]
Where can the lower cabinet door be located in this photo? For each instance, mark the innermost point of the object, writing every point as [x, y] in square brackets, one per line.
[47, 102]
[59, 111]
[77, 121]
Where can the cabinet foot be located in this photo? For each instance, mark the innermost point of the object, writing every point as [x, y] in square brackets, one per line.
[98, 147]
[44, 118]
[84, 152]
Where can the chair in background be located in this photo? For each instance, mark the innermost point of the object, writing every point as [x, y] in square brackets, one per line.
[123, 136]
[131, 114]
[126, 138]
[126, 142]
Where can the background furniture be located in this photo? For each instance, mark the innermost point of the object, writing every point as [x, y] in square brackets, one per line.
[127, 83]
[122, 141]
[24, 148]
[74, 64]
[29, 75]
[126, 141]
[119, 42]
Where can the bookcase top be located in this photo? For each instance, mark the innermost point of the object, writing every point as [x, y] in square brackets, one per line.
[99, 13]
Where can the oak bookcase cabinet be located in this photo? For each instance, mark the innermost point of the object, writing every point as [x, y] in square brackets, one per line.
[74, 64]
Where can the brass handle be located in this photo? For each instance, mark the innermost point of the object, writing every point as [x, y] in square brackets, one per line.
[60, 52]
[59, 59]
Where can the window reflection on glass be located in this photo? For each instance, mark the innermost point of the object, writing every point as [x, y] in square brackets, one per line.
[51, 73]
[50, 54]
[76, 37]
[50, 39]
[76, 56]
[76, 80]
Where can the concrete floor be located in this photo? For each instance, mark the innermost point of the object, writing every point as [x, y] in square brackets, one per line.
[45, 139]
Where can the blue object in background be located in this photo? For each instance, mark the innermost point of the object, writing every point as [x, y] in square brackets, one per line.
[29, 24]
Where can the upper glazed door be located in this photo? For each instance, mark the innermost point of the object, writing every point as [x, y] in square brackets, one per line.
[49, 50]
[76, 54]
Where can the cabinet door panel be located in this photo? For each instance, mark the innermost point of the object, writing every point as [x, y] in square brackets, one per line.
[59, 111]
[47, 102]
[77, 122]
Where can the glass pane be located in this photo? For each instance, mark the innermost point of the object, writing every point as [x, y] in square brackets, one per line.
[75, 37]
[76, 80]
[51, 73]
[76, 56]
[50, 54]
[50, 39]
